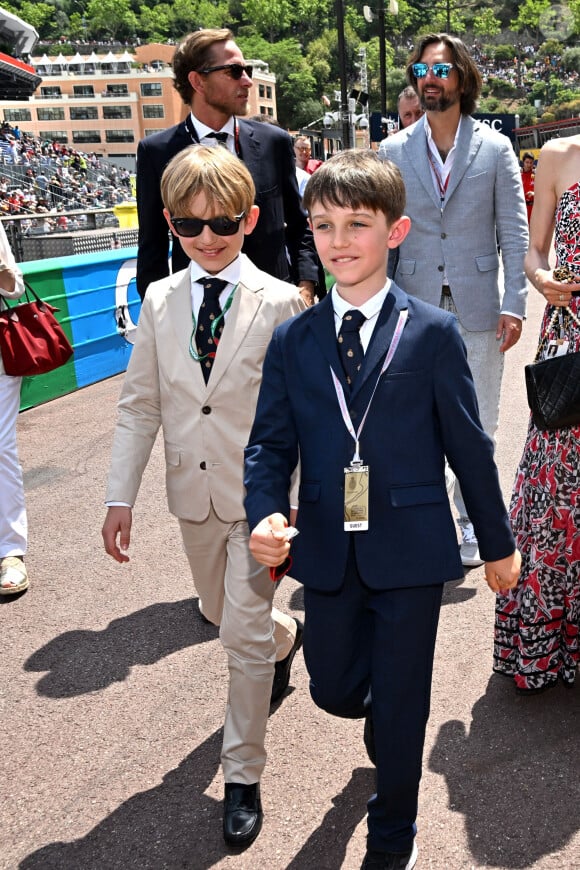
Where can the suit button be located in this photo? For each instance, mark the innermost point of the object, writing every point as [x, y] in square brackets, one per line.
[443, 235]
[206, 409]
[441, 268]
[352, 415]
[202, 466]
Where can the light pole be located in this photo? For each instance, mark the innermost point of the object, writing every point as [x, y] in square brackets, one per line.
[344, 114]
[369, 16]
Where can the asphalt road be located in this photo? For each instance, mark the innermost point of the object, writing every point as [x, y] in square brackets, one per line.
[113, 694]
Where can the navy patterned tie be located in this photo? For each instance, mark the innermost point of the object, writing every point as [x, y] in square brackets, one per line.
[349, 345]
[209, 311]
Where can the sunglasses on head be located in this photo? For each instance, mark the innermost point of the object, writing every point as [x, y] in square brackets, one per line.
[189, 228]
[234, 70]
[439, 70]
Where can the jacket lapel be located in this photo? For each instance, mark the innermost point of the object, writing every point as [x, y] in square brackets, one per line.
[416, 151]
[179, 308]
[323, 328]
[468, 144]
[250, 148]
[382, 336]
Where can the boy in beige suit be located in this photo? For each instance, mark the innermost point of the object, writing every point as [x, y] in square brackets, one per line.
[195, 371]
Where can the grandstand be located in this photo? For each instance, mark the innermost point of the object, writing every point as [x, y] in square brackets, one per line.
[18, 80]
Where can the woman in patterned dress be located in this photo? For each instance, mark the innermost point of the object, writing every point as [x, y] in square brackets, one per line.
[537, 623]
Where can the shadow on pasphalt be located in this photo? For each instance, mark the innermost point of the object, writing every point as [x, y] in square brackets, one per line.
[87, 661]
[515, 775]
[174, 825]
[326, 847]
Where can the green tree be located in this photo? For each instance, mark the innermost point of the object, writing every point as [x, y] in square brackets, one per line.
[111, 18]
[272, 18]
[156, 23]
[485, 23]
[529, 14]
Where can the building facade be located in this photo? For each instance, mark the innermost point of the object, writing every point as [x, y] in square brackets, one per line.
[106, 103]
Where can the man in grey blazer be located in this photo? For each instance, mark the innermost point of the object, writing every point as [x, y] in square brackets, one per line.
[464, 198]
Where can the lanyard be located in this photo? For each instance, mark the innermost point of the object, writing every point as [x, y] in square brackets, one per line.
[356, 460]
[442, 185]
[214, 326]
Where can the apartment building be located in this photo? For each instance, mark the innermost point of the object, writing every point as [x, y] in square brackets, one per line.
[106, 103]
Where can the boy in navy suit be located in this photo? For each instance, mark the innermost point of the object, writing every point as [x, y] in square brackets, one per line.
[371, 389]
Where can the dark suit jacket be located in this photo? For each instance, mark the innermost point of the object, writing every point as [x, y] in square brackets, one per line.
[267, 152]
[424, 409]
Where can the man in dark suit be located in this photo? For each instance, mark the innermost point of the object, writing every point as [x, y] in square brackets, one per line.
[214, 80]
[372, 416]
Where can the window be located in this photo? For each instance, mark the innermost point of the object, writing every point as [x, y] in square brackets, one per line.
[55, 136]
[151, 89]
[50, 114]
[119, 136]
[12, 115]
[81, 136]
[117, 90]
[83, 91]
[116, 112]
[153, 111]
[262, 91]
[265, 92]
[83, 113]
[267, 110]
[51, 92]
[268, 92]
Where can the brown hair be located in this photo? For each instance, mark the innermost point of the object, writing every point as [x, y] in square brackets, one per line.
[213, 171]
[469, 75]
[194, 53]
[355, 179]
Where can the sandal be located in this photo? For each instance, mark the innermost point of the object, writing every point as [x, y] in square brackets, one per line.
[13, 576]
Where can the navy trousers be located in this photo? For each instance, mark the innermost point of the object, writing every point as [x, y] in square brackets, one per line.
[357, 641]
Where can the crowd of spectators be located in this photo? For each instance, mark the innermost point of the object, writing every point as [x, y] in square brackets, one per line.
[47, 180]
[527, 66]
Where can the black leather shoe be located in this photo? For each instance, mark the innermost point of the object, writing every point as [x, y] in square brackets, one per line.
[390, 860]
[282, 668]
[369, 737]
[242, 814]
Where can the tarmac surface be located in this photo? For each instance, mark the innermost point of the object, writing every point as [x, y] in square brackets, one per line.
[113, 696]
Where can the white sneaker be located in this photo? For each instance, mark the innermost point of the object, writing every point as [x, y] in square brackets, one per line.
[469, 548]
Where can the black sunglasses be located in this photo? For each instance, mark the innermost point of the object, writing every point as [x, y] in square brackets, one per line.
[189, 228]
[439, 70]
[234, 70]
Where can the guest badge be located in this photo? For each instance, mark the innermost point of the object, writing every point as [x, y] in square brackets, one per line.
[356, 476]
[356, 498]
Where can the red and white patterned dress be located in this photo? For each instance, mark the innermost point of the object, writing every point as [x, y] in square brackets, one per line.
[537, 624]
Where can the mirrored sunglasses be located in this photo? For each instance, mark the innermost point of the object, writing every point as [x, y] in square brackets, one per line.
[189, 228]
[234, 70]
[439, 70]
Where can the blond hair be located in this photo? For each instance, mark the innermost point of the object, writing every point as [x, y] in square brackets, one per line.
[214, 171]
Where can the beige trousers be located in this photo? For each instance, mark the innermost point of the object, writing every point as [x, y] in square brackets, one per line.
[236, 593]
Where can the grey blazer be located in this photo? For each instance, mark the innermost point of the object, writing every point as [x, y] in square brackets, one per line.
[484, 207]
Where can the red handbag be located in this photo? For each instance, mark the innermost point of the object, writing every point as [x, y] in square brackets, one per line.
[32, 341]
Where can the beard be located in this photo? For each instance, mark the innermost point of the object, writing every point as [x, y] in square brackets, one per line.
[438, 103]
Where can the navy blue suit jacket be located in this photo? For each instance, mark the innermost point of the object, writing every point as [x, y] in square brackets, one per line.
[267, 152]
[424, 409]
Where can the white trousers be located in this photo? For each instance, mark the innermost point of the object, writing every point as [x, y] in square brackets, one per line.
[486, 364]
[13, 521]
[236, 593]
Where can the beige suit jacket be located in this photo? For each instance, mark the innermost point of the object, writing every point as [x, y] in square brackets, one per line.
[205, 427]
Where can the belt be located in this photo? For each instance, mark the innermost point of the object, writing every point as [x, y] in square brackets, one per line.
[446, 290]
